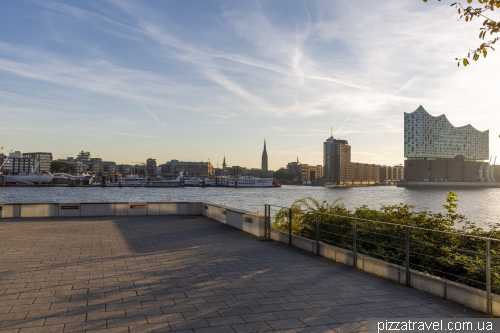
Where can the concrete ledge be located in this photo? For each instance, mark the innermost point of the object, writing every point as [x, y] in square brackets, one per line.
[279, 236]
[466, 295]
[252, 223]
[39, 210]
[135, 209]
[455, 292]
[304, 243]
[69, 209]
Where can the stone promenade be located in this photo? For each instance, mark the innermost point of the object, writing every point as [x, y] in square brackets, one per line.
[184, 274]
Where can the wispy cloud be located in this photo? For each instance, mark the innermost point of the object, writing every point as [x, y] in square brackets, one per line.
[154, 70]
[137, 135]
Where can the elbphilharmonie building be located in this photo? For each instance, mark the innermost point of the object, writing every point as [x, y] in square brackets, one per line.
[428, 137]
[435, 150]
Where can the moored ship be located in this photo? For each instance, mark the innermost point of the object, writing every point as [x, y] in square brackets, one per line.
[29, 178]
[242, 181]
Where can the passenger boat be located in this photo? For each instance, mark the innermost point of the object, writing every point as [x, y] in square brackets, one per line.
[131, 180]
[167, 183]
[192, 182]
[242, 181]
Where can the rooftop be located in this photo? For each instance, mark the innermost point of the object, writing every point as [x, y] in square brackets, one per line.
[184, 273]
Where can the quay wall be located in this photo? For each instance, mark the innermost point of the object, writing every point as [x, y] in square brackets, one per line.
[254, 224]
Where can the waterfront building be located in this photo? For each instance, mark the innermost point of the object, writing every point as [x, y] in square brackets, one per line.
[109, 167]
[125, 169]
[311, 172]
[42, 161]
[194, 169]
[84, 156]
[76, 166]
[151, 167]
[224, 163]
[435, 150]
[304, 172]
[294, 168]
[84, 162]
[428, 137]
[18, 163]
[336, 157]
[391, 173]
[264, 158]
[338, 168]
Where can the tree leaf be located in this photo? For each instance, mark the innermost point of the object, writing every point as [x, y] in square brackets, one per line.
[465, 62]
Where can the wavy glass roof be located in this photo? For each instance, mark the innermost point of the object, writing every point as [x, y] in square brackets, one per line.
[426, 136]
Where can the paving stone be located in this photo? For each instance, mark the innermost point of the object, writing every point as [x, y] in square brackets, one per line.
[285, 323]
[318, 321]
[111, 330]
[64, 319]
[254, 317]
[43, 329]
[315, 329]
[149, 328]
[85, 326]
[216, 329]
[128, 321]
[188, 324]
[165, 318]
[105, 315]
[252, 327]
[226, 320]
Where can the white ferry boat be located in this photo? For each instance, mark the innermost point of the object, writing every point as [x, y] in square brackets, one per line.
[167, 183]
[192, 182]
[131, 180]
[242, 181]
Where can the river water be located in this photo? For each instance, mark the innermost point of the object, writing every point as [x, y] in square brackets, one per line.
[478, 205]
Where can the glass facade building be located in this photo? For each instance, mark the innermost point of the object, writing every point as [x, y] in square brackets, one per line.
[428, 137]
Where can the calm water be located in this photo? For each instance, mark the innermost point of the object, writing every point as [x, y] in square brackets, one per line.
[478, 205]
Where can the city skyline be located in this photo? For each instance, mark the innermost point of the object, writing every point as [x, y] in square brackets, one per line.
[192, 81]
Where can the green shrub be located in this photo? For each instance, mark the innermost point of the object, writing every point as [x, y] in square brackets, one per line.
[454, 257]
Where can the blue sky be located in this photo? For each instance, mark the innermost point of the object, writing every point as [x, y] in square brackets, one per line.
[192, 80]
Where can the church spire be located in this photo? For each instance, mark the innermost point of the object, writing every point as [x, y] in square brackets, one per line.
[264, 158]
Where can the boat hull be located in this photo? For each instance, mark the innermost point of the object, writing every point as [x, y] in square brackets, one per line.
[41, 179]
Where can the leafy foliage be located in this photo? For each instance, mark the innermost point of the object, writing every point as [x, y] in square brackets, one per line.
[58, 166]
[282, 174]
[489, 25]
[433, 247]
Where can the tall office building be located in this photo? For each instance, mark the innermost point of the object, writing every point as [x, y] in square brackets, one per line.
[435, 150]
[151, 166]
[264, 158]
[336, 159]
[429, 137]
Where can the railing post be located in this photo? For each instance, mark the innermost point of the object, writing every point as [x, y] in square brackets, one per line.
[354, 252]
[317, 234]
[265, 221]
[488, 278]
[290, 227]
[407, 256]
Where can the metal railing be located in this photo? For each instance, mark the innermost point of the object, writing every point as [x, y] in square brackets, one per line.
[369, 237]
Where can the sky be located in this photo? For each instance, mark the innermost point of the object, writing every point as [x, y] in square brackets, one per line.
[197, 80]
